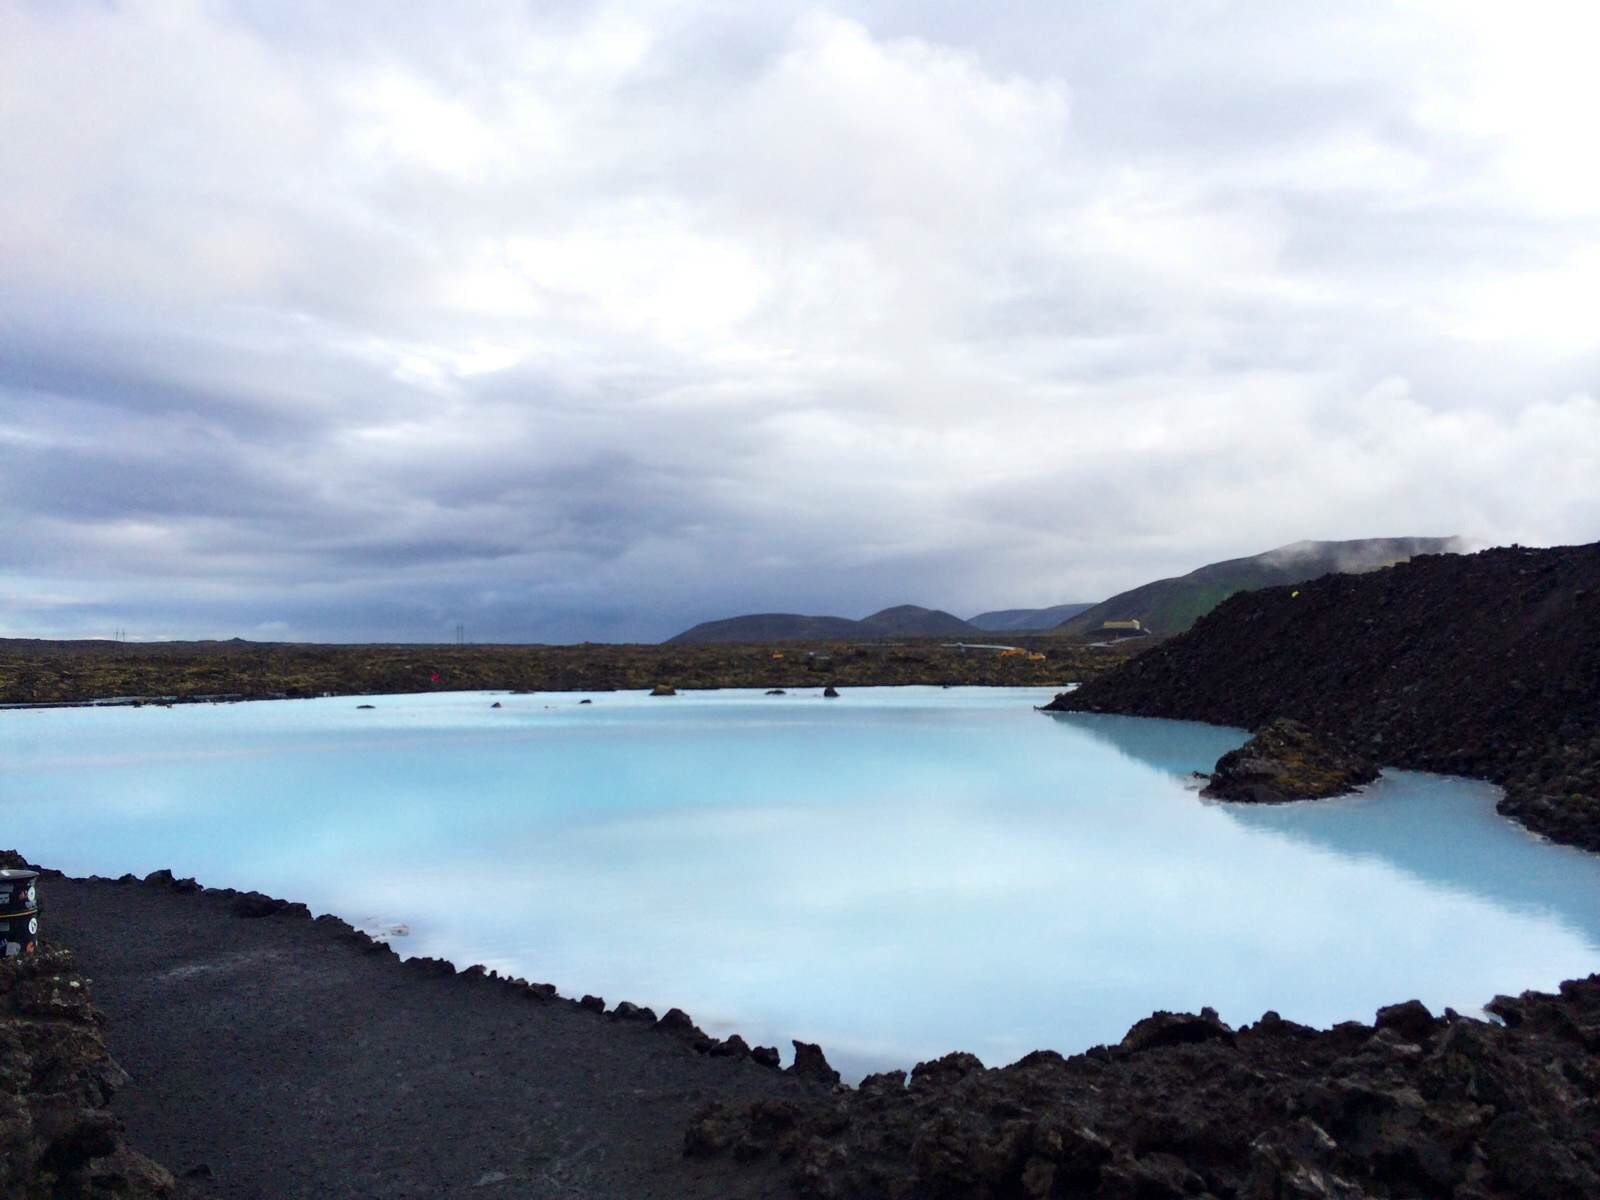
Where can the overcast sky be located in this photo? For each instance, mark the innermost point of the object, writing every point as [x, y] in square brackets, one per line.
[566, 321]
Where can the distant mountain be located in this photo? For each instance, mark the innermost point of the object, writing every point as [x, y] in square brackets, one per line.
[1026, 620]
[905, 620]
[1172, 605]
[771, 627]
[909, 620]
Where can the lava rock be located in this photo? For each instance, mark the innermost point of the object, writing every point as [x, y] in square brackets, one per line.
[809, 1063]
[626, 1010]
[255, 904]
[1287, 761]
[57, 1137]
[1411, 1020]
[1174, 1029]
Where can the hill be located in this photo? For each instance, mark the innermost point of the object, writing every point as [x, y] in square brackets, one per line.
[910, 620]
[1172, 605]
[1485, 664]
[905, 620]
[1026, 620]
[768, 627]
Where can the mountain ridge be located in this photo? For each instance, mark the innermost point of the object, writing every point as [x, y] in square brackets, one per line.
[1172, 605]
[900, 620]
[1027, 620]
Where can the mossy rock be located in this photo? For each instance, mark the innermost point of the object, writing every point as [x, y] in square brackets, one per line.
[1287, 761]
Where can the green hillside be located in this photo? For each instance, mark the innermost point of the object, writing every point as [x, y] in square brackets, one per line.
[1172, 605]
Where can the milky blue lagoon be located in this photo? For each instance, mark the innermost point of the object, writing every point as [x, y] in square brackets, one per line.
[894, 874]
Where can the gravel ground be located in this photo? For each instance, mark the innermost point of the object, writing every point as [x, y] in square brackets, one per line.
[278, 1057]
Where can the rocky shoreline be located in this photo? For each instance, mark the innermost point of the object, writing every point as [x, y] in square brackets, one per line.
[256, 1035]
[58, 1137]
[1485, 665]
[1411, 1105]
[34, 672]
[270, 1054]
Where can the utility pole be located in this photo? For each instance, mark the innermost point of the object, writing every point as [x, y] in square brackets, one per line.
[461, 634]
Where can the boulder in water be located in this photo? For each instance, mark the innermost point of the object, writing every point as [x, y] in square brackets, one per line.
[663, 689]
[1287, 761]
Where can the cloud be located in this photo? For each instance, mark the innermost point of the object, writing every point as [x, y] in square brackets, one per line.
[596, 321]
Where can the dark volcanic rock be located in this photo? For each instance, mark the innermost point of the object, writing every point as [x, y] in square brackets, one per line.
[809, 1063]
[1478, 664]
[254, 904]
[680, 1025]
[830, 692]
[57, 1137]
[1286, 761]
[1414, 1106]
[626, 1010]
[1174, 1029]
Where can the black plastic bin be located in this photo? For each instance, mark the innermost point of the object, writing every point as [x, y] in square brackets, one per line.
[19, 911]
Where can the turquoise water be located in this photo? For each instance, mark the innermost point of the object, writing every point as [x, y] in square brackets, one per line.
[894, 874]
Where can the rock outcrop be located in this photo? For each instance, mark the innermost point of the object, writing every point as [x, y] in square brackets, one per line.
[1478, 664]
[1413, 1105]
[58, 1138]
[1286, 761]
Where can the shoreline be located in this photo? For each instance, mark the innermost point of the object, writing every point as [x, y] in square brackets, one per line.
[249, 953]
[33, 673]
[189, 885]
[790, 687]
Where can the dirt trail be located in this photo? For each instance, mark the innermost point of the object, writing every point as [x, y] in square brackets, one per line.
[286, 1059]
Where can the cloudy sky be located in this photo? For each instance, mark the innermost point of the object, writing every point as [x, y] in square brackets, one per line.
[571, 320]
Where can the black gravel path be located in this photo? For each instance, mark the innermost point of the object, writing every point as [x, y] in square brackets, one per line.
[281, 1058]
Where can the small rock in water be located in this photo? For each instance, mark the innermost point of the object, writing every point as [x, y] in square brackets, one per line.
[585, 700]
[663, 689]
[496, 704]
[830, 692]
[366, 706]
[1287, 761]
[776, 692]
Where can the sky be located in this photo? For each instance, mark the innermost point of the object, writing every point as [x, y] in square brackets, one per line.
[567, 321]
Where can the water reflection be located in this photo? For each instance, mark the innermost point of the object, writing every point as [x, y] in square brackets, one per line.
[1441, 830]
